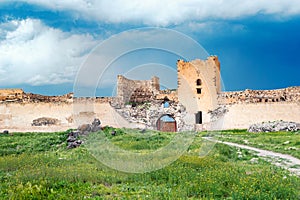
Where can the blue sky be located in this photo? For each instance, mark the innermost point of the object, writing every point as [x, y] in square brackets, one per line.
[43, 44]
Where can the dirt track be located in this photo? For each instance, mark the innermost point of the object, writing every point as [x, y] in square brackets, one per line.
[282, 160]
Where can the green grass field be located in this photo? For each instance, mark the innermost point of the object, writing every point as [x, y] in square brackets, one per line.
[281, 142]
[38, 166]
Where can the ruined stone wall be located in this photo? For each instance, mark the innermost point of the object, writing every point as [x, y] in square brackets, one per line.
[93, 99]
[37, 98]
[139, 90]
[11, 95]
[169, 94]
[19, 96]
[291, 94]
[146, 115]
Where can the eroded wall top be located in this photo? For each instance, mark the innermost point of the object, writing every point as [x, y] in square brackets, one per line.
[137, 91]
[290, 94]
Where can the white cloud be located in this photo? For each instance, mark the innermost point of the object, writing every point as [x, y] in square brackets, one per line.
[33, 53]
[168, 12]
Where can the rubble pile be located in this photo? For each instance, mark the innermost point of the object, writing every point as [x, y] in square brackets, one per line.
[83, 130]
[274, 127]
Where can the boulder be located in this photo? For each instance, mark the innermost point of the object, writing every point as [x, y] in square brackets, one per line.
[143, 131]
[85, 129]
[96, 125]
[74, 133]
[82, 130]
[96, 122]
[71, 139]
[45, 121]
[74, 144]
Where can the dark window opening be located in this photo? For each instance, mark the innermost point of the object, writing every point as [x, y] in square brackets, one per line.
[199, 117]
[199, 90]
[198, 82]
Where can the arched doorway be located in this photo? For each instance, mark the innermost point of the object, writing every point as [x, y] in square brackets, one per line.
[166, 123]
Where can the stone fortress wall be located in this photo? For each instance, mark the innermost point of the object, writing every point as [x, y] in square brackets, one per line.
[18, 112]
[18, 117]
[243, 115]
[255, 106]
[198, 90]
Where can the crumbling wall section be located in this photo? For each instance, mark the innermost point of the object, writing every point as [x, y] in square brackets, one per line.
[37, 98]
[136, 90]
[147, 114]
[11, 95]
[19, 96]
[290, 94]
[167, 94]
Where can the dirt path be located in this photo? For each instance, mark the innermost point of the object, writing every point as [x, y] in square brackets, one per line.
[282, 160]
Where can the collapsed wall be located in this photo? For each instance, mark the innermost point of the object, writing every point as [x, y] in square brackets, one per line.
[136, 91]
[11, 95]
[19, 96]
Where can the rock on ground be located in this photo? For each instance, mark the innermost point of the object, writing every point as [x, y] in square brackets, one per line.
[274, 126]
[85, 129]
[45, 121]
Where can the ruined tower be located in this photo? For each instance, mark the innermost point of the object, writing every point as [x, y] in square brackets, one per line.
[137, 90]
[198, 87]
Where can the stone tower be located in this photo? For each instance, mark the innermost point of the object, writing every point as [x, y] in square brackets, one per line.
[198, 87]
